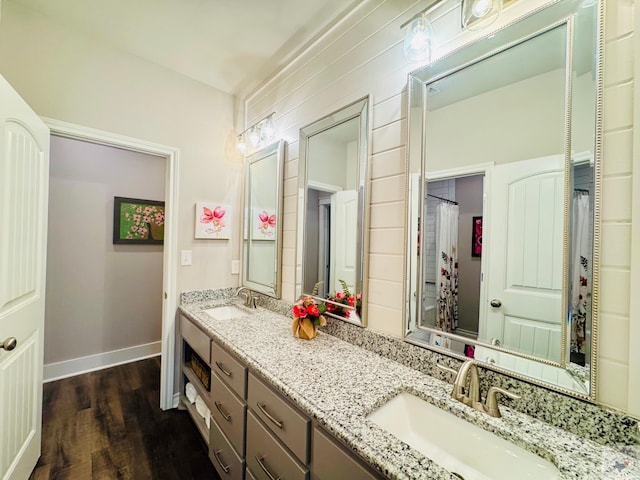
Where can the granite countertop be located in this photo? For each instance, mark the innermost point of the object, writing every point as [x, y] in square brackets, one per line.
[339, 384]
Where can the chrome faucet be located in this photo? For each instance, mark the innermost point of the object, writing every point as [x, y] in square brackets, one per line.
[247, 295]
[466, 389]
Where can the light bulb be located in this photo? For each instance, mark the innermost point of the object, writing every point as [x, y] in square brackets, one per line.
[417, 40]
[481, 7]
[254, 137]
[240, 145]
[478, 14]
[268, 129]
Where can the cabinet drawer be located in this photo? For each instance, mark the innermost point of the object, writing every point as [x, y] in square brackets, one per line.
[229, 413]
[195, 337]
[248, 475]
[229, 369]
[224, 458]
[267, 458]
[284, 420]
[331, 461]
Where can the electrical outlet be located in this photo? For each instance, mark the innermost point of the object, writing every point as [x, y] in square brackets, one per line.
[235, 267]
[185, 258]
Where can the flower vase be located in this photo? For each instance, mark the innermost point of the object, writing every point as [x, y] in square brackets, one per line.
[305, 328]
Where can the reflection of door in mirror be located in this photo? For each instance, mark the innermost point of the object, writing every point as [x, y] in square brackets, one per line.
[523, 106]
[332, 221]
[524, 274]
[511, 118]
[331, 216]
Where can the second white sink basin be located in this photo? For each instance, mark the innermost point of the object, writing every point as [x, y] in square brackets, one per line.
[459, 446]
[226, 312]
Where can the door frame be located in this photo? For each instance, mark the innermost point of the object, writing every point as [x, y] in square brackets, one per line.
[170, 258]
[468, 171]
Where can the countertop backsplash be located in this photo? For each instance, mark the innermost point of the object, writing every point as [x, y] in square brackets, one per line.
[571, 414]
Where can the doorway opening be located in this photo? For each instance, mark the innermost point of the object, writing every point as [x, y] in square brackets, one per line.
[170, 155]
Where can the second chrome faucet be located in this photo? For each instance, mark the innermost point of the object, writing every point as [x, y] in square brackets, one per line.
[466, 389]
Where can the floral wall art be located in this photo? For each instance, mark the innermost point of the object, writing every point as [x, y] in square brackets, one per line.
[264, 222]
[137, 221]
[213, 220]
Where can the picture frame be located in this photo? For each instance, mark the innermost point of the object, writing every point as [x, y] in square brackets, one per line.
[137, 221]
[264, 224]
[476, 237]
[212, 221]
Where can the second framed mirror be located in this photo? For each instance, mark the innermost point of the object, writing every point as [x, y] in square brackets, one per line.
[332, 224]
[262, 225]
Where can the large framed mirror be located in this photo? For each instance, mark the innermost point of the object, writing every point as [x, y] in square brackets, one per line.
[504, 197]
[262, 226]
[332, 224]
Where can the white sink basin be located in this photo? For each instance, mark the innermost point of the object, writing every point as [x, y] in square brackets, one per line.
[457, 445]
[226, 312]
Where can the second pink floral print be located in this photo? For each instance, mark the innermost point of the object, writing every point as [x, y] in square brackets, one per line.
[213, 220]
[265, 223]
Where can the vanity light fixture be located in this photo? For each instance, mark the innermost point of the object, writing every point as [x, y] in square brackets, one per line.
[478, 14]
[418, 38]
[262, 132]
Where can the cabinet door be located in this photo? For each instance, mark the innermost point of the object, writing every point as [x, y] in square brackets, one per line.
[331, 461]
[267, 458]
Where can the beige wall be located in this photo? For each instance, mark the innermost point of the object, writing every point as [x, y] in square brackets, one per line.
[100, 296]
[364, 56]
[72, 77]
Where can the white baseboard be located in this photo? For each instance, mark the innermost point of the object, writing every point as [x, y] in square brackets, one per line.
[77, 366]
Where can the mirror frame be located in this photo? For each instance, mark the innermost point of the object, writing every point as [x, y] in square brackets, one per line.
[543, 19]
[272, 290]
[358, 109]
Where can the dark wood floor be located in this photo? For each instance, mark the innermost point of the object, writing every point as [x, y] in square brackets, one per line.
[108, 425]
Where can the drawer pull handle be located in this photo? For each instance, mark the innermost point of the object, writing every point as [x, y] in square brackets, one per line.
[217, 455]
[226, 416]
[263, 409]
[221, 367]
[260, 461]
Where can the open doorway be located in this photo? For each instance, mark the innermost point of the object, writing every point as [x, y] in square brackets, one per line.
[103, 300]
[169, 297]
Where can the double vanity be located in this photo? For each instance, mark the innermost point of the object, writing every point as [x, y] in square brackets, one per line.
[282, 407]
[495, 375]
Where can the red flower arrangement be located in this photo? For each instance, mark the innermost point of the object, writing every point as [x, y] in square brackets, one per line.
[307, 316]
[345, 297]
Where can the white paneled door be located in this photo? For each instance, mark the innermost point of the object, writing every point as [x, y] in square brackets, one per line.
[345, 230]
[24, 177]
[524, 273]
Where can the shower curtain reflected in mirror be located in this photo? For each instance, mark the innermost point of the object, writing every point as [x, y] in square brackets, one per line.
[447, 265]
[581, 229]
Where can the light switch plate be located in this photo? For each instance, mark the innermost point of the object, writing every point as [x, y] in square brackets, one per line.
[235, 267]
[185, 258]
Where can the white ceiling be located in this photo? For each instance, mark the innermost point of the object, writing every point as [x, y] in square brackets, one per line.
[227, 44]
